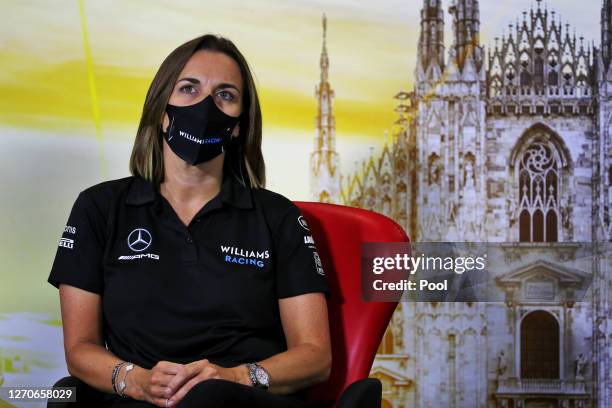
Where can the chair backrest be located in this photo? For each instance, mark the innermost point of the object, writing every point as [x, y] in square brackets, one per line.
[356, 326]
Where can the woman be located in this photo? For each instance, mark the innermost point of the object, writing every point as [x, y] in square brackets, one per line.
[189, 283]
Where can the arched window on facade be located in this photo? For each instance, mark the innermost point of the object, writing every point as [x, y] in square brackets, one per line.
[539, 183]
[525, 78]
[538, 72]
[540, 346]
[553, 78]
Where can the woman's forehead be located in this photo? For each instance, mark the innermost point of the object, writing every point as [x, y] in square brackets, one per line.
[211, 66]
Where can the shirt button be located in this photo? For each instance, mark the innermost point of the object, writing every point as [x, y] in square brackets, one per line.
[189, 239]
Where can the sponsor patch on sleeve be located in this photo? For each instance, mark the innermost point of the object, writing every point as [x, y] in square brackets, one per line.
[318, 263]
[66, 243]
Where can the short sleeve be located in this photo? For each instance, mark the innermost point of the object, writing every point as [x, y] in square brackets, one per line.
[78, 260]
[299, 269]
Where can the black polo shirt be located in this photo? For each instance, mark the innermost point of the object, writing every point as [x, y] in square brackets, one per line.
[183, 293]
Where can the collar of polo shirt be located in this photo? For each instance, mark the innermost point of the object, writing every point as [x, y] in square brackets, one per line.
[232, 192]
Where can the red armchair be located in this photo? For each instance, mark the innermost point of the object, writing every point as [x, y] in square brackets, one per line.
[356, 326]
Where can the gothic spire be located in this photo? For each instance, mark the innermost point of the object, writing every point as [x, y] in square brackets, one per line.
[324, 94]
[431, 38]
[606, 32]
[324, 60]
[324, 159]
[466, 30]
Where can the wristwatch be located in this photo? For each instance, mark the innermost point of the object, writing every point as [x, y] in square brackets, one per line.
[259, 376]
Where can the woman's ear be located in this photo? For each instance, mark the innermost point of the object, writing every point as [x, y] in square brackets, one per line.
[236, 130]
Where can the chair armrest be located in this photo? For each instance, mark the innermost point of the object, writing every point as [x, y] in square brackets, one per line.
[86, 395]
[364, 393]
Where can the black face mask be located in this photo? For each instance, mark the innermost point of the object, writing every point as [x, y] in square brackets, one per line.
[200, 132]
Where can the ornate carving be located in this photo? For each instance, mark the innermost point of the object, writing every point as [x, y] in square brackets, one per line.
[540, 57]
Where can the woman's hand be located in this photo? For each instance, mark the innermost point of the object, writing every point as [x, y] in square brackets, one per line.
[152, 385]
[193, 373]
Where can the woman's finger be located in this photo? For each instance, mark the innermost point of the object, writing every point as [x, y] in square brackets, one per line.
[161, 378]
[158, 391]
[160, 402]
[184, 390]
[168, 367]
[186, 373]
[207, 373]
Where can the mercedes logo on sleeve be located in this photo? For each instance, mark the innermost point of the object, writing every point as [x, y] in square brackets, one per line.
[139, 240]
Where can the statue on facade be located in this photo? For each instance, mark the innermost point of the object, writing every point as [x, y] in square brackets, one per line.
[580, 366]
[502, 364]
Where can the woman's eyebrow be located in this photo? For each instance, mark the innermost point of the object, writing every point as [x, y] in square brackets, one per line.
[227, 85]
[194, 81]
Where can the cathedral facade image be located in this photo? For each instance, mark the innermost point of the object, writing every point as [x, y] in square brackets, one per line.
[512, 145]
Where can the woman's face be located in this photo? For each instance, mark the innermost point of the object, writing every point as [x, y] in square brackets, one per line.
[209, 73]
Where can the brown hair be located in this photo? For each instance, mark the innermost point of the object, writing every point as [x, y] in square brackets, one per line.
[147, 161]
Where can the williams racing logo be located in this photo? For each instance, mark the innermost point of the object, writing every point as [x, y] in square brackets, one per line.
[244, 256]
[138, 241]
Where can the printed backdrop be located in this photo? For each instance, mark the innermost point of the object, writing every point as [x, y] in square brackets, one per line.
[72, 83]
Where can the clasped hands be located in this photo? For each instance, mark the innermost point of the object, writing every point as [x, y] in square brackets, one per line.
[172, 381]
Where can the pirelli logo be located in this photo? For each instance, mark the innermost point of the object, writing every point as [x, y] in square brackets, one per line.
[66, 243]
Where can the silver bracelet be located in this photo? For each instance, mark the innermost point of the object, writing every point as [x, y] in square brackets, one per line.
[116, 370]
[122, 384]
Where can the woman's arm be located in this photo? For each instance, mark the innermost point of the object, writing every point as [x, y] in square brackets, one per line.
[86, 356]
[308, 358]
[88, 359]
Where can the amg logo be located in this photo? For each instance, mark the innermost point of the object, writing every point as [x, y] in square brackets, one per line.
[66, 243]
[138, 256]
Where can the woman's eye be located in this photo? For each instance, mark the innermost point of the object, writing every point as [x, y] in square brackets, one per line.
[188, 89]
[226, 96]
